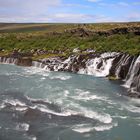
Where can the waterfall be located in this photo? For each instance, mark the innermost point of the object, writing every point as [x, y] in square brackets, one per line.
[99, 66]
[132, 74]
[130, 69]
[7, 60]
[55, 64]
[38, 64]
[93, 68]
[123, 61]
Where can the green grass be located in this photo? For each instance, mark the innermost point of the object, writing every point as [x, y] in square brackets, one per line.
[38, 36]
[59, 27]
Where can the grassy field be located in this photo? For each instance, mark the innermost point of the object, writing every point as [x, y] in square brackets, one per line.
[48, 37]
[38, 27]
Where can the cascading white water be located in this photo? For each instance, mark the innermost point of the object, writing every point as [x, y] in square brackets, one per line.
[54, 63]
[8, 60]
[37, 64]
[109, 54]
[132, 73]
[124, 59]
[130, 69]
[98, 66]
[105, 62]
[92, 67]
[69, 61]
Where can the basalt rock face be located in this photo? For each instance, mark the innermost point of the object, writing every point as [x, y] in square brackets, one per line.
[133, 79]
[127, 68]
[18, 61]
[135, 85]
[24, 62]
[73, 63]
[8, 60]
[121, 65]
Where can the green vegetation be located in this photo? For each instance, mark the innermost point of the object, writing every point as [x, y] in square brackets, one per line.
[60, 27]
[48, 37]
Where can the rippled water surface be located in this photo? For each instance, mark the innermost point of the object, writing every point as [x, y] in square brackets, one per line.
[40, 105]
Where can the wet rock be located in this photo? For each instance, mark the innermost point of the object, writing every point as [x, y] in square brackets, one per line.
[114, 65]
[125, 68]
[100, 64]
[135, 85]
[24, 62]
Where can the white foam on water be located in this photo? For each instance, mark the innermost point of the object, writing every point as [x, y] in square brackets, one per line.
[21, 108]
[43, 78]
[59, 101]
[85, 128]
[75, 108]
[134, 101]
[133, 105]
[82, 128]
[61, 77]
[121, 117]
[45, 109]
[102, 117]
[105, 127]
[72, 108]
[22, 127]
[105, 118]
[34, 70]
[14, 102]
[2, 106]
[86, 96]
[61, 98]
[71, 112]
[38, 99]
[66, 92]
[111, 102]
[34, 138]
[132, 108]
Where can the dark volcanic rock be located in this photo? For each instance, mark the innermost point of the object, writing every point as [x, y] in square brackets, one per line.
[114, 65]
[125, 68]
[121, 65]
[83, 32]
[136, 80]
[24, 62]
